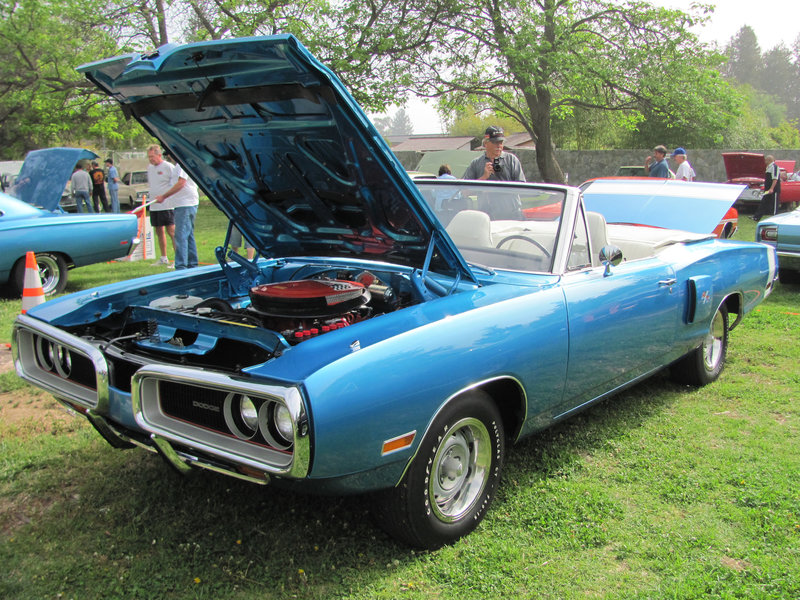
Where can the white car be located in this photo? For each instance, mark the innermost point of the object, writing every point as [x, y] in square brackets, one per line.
[132, 187]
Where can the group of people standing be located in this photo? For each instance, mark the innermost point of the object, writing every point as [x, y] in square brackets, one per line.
[656, 164]
[89, 180]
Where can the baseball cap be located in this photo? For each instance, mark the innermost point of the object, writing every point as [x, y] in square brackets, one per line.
[679, 151]
[494, 134]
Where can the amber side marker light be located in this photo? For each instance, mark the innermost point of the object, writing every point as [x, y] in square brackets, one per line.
[398, 443]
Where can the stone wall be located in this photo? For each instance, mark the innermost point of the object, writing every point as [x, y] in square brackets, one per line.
[581, 165]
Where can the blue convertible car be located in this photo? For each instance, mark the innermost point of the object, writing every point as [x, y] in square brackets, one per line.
[31, 220]
[370, 347]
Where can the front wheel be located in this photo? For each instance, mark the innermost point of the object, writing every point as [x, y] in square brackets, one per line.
[53, 273]
[704, 364]
[452, 480]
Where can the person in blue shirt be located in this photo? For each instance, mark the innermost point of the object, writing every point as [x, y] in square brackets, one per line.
[113, 185]
[656, 166]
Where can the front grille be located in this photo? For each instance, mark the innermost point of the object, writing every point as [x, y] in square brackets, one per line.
[201, 406]
[65, 365]
[241, 421]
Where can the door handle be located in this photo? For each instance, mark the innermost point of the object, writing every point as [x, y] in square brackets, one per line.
[666, 282]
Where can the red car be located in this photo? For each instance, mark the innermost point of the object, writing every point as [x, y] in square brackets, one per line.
[748, 168]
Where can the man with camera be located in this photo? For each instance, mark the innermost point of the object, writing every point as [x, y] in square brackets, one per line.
[496, 165]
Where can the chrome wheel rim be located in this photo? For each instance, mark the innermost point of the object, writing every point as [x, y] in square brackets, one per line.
[48, 272]
[712, 345]
[460, 469]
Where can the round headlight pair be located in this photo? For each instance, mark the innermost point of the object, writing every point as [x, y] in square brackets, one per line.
[245, 418]
[53, 357]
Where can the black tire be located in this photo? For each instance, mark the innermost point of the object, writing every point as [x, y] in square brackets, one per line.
[705, 363]
[53, 273]
[788, 277]
[451, 482]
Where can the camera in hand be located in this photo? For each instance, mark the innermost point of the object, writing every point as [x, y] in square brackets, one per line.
[496, 165]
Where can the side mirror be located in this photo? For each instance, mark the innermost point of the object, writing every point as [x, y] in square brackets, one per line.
[610, 256]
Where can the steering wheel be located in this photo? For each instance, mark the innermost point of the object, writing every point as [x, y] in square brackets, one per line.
[539, 247]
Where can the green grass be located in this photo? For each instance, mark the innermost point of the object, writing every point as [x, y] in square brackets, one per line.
[663, 491]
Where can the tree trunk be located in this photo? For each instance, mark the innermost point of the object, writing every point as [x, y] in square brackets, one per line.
[539, 106]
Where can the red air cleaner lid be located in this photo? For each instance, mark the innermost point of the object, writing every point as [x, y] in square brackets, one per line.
[309, 297]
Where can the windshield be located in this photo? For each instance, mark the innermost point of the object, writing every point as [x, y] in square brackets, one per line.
[500, 225]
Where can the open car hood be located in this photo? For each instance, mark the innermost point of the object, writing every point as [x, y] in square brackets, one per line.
[739, 165]
[689, 206]
[45, 173]
[280, 146]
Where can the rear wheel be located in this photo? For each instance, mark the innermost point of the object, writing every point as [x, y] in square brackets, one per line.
[452, 481]
[704, 364]
[53, 273]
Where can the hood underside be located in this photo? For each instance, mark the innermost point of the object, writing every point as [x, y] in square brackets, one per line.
[45, 173]
[689, 206]
[279, 145]
[744, 164]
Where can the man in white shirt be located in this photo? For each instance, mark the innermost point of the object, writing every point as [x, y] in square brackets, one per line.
[685, 172]
[182, 196]
[162, 218]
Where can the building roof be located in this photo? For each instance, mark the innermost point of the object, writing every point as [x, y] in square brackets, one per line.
[519, 140]
[427, 143]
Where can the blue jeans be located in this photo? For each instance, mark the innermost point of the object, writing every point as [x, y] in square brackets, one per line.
[185, 247]
[113, 191]
[83, 198]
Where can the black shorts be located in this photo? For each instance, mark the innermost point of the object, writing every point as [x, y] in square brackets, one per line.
[162, 218]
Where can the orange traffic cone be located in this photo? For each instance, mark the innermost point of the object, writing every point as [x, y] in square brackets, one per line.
[32, 292]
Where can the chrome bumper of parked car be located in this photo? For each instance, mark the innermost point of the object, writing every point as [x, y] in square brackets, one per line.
[64, 365]
[200, 411]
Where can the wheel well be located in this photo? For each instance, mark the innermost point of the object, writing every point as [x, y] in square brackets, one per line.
[727, 231]
[733, 304]
[510, 400]
[66, 257]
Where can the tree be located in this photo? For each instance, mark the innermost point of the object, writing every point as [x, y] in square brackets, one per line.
[540, 60]
[401, 123]
[43, 100]
[745, 63]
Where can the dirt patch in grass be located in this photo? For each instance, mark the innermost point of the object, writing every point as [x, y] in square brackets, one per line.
[33, 412]
[29, 409]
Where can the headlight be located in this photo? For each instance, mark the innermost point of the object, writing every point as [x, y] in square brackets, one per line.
[241, 416]
[248, 412]
[275, 423]
[283, 422]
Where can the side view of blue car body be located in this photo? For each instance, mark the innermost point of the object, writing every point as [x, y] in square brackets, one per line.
[31, 220]
[391, 337]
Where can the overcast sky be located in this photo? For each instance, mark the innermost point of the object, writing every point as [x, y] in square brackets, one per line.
[774, 21]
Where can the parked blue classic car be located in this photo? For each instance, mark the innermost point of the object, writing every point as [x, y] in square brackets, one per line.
[782, 231]
[31, 220]
[369, 349]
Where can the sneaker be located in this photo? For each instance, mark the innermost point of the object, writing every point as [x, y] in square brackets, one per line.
[161, 262]
[171, 266]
